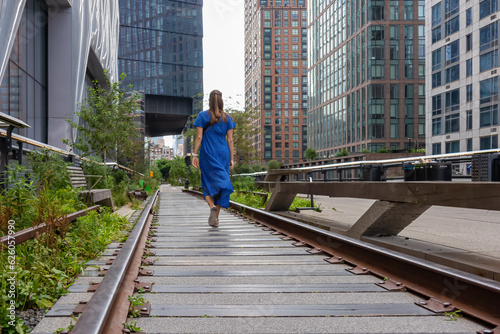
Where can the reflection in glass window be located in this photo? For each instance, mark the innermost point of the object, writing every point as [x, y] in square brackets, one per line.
[488, 116]
[452, 26]
[487, 7]
[452, 99]
[488, 89]
[436, 126]
[436, 34]
[487, 36]
[452, 52]
[452, 123]
[452, 73]
[488, 61]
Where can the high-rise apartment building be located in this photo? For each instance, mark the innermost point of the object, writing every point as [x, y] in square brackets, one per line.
[366, 75]
[276, 76]
[161, 51]
[462, 78]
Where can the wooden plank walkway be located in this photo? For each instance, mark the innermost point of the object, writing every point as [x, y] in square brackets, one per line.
[237, 278]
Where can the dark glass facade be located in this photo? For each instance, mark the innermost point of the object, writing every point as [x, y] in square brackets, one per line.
[160, 48]
[23, 90]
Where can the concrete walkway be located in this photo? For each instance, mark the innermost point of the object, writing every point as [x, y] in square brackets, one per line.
[462, 236]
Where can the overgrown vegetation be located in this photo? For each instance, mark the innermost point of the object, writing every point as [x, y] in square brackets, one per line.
[45, 267]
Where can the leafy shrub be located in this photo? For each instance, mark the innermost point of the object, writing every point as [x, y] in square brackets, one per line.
[243, 183]
[194, 177]
[342, 153]
[49, 169]
[384, 150]
[18, 196]
[243, 168]
[274, 164]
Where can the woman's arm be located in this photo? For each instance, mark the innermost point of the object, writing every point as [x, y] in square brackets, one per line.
[197, 143]
[231, 147]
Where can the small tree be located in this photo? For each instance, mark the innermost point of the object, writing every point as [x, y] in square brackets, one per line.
[106, 126]
[310, 154]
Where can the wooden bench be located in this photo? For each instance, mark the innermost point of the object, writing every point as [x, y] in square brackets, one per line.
[78, 180]
[398, 203]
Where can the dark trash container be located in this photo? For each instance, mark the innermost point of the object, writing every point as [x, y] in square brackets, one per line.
[438, 171]
[373, 173]
[414, 172]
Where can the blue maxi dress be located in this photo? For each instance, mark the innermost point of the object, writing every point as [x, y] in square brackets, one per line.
[215, 159]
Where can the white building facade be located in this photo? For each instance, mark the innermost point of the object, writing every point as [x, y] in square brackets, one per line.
[461, 75]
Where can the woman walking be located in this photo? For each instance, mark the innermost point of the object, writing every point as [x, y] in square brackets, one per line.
[216, 154]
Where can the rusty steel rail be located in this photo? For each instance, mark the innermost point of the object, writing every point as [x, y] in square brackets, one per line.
[474, 295]
[95, 316]
[32, 232]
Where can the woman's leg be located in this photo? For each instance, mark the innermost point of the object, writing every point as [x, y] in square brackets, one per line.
[210, 201]
[212, 219]
[218, 210]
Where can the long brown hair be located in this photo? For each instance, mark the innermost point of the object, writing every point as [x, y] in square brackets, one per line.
[216, 107]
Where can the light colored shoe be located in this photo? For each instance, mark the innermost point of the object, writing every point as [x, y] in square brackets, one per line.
[212, 219]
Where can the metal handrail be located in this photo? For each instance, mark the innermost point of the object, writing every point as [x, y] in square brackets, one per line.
[99, 306]
[36, 143]
[359, 163]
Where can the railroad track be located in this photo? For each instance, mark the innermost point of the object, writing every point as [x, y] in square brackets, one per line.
[268, 274]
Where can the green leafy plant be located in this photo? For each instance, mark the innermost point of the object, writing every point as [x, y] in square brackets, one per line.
[453, 316]
[131, 326]
[135, 301]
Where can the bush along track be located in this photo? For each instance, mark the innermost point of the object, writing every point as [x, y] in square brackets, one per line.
[42, 269]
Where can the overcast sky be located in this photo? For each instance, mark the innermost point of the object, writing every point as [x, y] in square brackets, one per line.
[223, 50]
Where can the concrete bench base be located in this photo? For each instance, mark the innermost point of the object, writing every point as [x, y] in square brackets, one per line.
[98, 196]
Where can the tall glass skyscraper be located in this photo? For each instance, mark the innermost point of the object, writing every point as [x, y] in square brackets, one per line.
[366, 75]
[161, 52]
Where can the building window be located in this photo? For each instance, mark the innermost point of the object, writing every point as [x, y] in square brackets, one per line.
[436, 34]
[488, 143]
[488, 116]
[436, 59]
[468, 67]
[468, 40]
[452, 52]
[436, 105]
[468, 120]
[436, 148]
[452, 123]
[452, 26]
[452, 100]
[469, 144]
[451, 7]
[488, 90]
[436, 126]
[487, 7]
[468, 17]
[453, 73]
[487, 36]
[488, 61]
[453, 146]
[468, 90]
[436, 14]
[436, 79]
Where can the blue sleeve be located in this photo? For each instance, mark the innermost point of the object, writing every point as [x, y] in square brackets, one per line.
[230, 123]
[200, 120]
